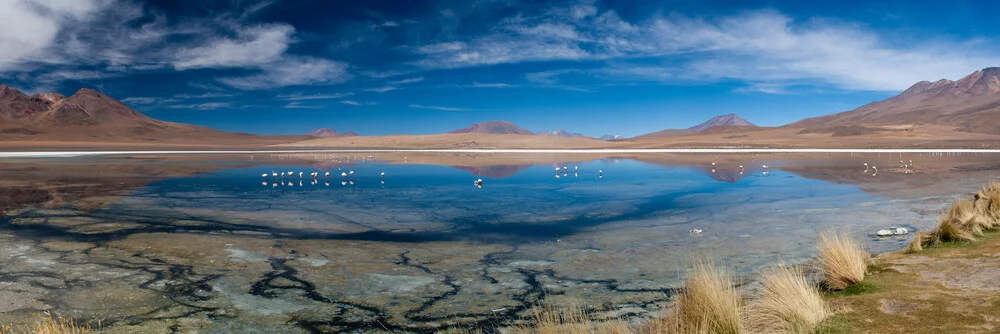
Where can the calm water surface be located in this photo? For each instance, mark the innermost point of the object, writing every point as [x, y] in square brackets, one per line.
[208, 244]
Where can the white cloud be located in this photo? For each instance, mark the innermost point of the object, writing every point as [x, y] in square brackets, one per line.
[299, 105]
[754, 46]
[292, 71]
[139, 100]
[407, 81]
[381, 89]
[253, 46]
[203, 95]
[358, 104]
[203, 106]
[28, 28]
[300, 96]
[420, 106]
[491, 85]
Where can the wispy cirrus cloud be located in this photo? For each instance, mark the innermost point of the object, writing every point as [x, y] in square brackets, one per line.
[358, 104]
[300, 96]
[420, 106]
[407, 81]
[299, 105]
[381, 89]
[754, 46]
[203, 106]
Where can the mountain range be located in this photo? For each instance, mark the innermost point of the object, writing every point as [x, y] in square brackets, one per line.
[724, 122]
[89, 115]
[328, 133]
[971, 104]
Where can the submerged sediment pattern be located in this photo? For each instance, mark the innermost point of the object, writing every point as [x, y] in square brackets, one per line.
[223, 253]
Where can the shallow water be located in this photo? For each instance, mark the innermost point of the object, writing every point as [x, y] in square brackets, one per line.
[207, 243]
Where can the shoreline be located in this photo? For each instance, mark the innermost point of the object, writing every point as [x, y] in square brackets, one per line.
[56, 154]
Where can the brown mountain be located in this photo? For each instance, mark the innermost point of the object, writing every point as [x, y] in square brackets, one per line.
[721, 123]
[971, 104]
[328, 132]
[721, 120]
[561, 133]
[89, 115]
[495, 127]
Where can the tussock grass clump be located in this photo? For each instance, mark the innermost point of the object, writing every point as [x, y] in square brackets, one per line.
[570, 320]
[46, 324]
[842, 260]
[709, 304]
[964, 221]
[922, 240]
[788, 304]
[988, 203]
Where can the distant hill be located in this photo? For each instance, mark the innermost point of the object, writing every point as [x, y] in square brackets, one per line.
[89, 115]
[561, 133]
[722, 120]
[495, 127]
[726, 123]
[971, 104]
[611, 137]
[328, 132]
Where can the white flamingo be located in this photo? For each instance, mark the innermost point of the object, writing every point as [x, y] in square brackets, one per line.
[867, 167]
[327, 174]
[263, 175]
[344, 174]
[351, 172]
[876, 171]
[382, 174]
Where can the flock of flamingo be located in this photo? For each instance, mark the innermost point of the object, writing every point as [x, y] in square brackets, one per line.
[564, 172]
[907, 168]
[279, 178]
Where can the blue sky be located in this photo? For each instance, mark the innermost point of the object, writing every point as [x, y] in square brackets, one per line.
[379, 67]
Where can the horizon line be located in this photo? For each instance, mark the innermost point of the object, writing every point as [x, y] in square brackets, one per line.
[69, 154]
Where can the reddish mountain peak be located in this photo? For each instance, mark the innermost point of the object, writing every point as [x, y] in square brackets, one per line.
[495, 127]
[727, 120]
[982, 82]
[50, 97]
[7, 92]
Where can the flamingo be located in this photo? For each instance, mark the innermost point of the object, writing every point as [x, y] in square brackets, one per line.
[382, 174]
[344, 174]
[351, 172]
[290, 173]
[274, 174]
[876, 171]
[327, 174]
[300, 175]
[263, 175]
[867, 167]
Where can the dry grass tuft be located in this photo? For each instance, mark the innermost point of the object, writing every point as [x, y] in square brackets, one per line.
[569, 320]
[988, 203]
[788, 304]
[709, 304]
[956, 225]
[922, 240]
[842, 260]
[47, 324]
